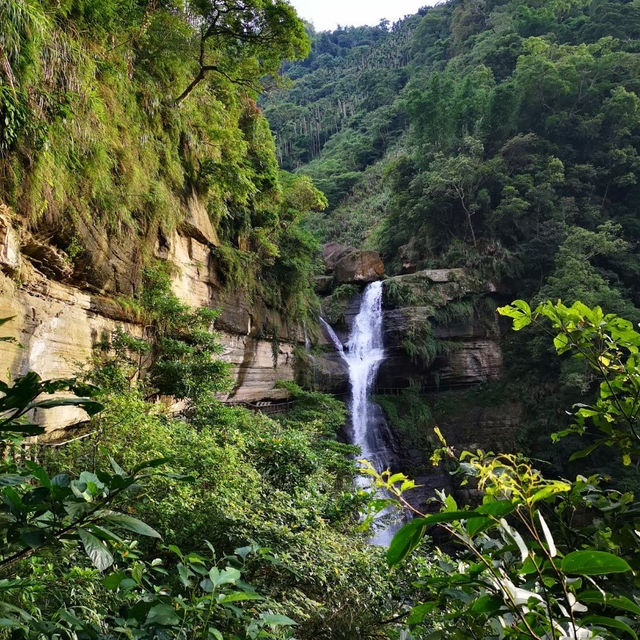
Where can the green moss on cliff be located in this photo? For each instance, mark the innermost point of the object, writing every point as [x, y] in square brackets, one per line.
[100, 145]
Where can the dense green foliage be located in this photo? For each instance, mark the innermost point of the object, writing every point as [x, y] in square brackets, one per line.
[510, 133]
[237, 496]
[96, 152]
[496, 135]
[253, 522]
[538, 557]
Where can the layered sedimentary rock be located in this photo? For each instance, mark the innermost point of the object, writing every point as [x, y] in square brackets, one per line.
[425, 349]
[347, 265]
[471, 353]
[57, 320]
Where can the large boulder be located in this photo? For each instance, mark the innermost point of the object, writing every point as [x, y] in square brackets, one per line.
[333, 252]
[359, 267]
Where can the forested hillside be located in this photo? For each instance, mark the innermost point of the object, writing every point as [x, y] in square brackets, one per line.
[506, 131]
[169, 170]
[498, 136]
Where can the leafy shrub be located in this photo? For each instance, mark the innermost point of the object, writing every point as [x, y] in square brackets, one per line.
[537, 557]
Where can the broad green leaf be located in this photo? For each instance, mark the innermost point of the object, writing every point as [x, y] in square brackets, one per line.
[475, 525]
[593, 563]
[405, 541]
[105, 534]
[519, 311]
[90, 406]
[243, 552]
[96, 550]
[151, 464]
[206, 585]
[27, 429]
[13, 499]
[8, 623]
[8, 480]
[239, 596]
[113, 580]
[163, 615]
[23, 391]
[419, 612]
[561, 343]
[277, 619]
[132, 524]
[613, 623]
[74, 621]
[496, 509]
[116, 467]
[587, 451]
[618, 602]
[61, 480]
[39, 473]
[226, 576]
[409, 536]
[487, 604]
[184, 574]
[550, 490]
[33, 537]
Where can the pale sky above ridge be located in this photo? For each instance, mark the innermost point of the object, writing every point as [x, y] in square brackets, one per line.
[328, 14]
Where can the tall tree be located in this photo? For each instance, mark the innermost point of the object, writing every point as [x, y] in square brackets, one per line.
[244, 40]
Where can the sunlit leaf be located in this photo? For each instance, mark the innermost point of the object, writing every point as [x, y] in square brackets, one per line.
[593, 563]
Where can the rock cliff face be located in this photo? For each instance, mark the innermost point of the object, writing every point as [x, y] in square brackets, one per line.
[58, 319]
[464, 351]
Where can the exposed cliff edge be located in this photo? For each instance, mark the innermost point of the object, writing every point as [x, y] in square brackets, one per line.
[57, 320]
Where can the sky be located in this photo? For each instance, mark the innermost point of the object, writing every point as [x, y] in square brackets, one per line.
[328, 14]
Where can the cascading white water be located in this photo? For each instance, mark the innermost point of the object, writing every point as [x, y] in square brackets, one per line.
[363, 354]
[334, 338]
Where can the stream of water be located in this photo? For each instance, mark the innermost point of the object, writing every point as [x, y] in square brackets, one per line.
[363, 353]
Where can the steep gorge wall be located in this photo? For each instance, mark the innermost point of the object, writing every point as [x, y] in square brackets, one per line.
[57, 320]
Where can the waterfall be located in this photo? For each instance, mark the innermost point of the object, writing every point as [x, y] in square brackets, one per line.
[334, 338]
[363, 354]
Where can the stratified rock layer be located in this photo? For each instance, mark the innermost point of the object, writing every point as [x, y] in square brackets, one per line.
[433, 350]
[57, 322]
